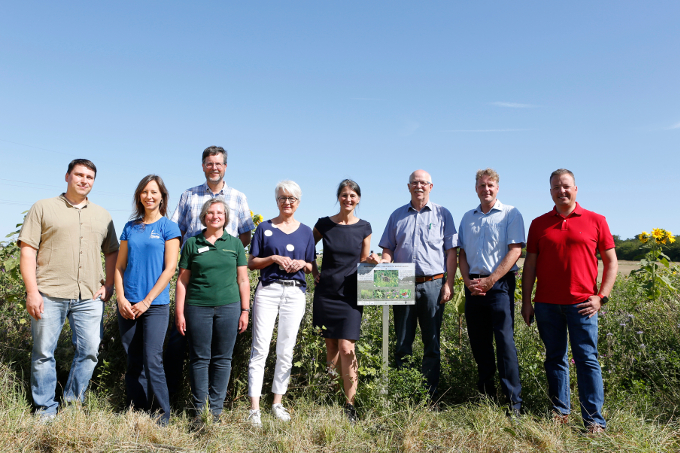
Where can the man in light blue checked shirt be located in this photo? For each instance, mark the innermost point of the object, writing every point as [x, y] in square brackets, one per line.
[187, 217]
[190, 203]
[491, 239]
[423, 233]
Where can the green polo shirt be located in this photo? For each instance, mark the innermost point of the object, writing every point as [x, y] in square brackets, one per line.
[213, 270]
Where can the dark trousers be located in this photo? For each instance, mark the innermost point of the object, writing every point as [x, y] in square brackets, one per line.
[175, 356]
[142, 340]
[211, 332]
[428, 313]
[488, 317]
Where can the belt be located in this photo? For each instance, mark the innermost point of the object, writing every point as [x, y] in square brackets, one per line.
[288, 282]
[508, 275]
[429, 278]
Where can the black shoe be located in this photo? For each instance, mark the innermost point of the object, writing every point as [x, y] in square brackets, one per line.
[351, 413]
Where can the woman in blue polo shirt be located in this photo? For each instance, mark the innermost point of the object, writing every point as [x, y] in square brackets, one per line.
[146, 262]
[283, 250]
[212, 305]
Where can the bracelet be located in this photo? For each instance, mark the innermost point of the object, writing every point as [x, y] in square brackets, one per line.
[247, 310]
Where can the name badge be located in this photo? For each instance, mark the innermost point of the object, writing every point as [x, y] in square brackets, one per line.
[203, 249]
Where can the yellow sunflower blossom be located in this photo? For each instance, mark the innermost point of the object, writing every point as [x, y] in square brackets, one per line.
[671, 239]
[643, 237]
[257, 219]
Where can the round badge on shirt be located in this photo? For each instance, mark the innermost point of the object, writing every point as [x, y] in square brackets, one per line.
[268, 232]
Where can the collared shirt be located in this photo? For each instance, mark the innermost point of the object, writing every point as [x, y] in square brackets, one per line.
[421, 237]
[69, 241]
[189, 209]
[566, 265]
[485, 237]
[213, 281]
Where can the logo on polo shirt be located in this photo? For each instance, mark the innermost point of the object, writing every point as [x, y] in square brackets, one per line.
[154, 235]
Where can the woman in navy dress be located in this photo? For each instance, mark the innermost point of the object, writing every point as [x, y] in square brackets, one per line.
[346, 242]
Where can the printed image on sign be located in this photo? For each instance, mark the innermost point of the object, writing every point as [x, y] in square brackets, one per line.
[386, 284]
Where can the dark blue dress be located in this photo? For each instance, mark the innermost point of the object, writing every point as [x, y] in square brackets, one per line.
[335, 297]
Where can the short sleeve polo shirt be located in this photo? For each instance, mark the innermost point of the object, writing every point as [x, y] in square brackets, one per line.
[566, 267]
[213, 270]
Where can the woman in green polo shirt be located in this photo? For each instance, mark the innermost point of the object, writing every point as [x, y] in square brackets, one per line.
[213, 279]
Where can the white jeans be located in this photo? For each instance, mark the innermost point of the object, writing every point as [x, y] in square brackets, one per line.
[288, 302]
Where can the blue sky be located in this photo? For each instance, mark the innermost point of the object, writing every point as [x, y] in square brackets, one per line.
[320, 91]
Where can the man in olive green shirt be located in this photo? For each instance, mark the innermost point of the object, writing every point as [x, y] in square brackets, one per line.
[61, 241]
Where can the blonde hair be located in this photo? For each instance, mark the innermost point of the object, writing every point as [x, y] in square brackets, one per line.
[490, 172]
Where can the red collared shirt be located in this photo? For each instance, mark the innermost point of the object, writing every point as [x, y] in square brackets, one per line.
[566, 268]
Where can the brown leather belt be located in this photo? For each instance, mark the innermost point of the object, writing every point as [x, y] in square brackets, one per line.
[429, 278]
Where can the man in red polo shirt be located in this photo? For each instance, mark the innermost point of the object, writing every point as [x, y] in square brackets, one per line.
[562, 253]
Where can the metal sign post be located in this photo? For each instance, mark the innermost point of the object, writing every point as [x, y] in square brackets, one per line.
[386, 284]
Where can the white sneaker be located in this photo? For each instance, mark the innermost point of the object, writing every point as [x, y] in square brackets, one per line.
[280, 412]
[255, 418]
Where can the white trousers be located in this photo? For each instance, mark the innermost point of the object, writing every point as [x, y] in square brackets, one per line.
[288, 302]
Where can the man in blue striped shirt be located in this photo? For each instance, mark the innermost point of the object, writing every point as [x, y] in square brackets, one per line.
[423, 233]
[491, 240]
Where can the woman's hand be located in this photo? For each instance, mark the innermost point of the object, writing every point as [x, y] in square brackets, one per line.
[243, 322]
[124, 308]
[282, 261]
[295, 265]
[140, 307]
[317, 277]
[373, 258]
[181, 323]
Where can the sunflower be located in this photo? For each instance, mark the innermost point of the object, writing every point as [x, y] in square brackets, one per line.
[643, 237]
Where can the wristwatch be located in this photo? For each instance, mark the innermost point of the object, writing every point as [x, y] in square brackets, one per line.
[603, 299]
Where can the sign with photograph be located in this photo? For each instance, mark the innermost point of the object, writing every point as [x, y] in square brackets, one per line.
[386, 284]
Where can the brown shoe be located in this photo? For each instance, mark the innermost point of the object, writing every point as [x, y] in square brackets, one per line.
[560, 418]
[595, 429]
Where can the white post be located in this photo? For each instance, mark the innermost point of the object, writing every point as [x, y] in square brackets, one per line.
[386, 332]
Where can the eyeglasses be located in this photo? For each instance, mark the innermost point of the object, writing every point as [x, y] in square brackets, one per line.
[420, 183]
[290, 200]
[214, 165]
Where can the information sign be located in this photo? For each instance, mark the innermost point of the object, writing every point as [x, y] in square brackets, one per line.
[386, 284]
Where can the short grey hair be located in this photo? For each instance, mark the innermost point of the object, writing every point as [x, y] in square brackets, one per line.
[288, 186]
[208, 204]
[560, 172]
[410, 177]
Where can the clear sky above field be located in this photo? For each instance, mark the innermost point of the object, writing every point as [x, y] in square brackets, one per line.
[320, 91]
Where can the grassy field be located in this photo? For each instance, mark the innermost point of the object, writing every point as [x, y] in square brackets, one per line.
[639, 355]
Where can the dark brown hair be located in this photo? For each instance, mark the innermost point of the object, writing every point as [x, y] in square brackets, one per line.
[138, 213]
[87, 163]
[213, 151]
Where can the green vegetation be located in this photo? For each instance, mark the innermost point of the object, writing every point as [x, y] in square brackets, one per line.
[639, 353]
[633, 250]
[386, 278]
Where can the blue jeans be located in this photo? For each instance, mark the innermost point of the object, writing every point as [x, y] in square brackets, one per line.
[143, 343]
[554, 321]
[211, 332]
[86, 319]
[488, 317]
[427, 312]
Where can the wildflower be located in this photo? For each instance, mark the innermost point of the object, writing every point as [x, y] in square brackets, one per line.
[642, 345]
[639, 332]
[623, 324]
[609, 334]
[573, 361]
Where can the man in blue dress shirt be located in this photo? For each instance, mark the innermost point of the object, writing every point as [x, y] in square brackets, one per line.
[423, 233]
[491, 238]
